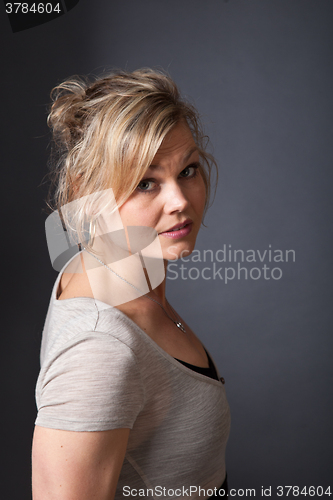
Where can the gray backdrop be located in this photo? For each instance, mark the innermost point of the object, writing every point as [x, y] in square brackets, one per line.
[260, 73]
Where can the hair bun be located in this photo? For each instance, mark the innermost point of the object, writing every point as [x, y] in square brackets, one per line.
[67, 115]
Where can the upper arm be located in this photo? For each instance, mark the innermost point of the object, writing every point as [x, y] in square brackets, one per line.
[93, 383]
[90, 387]
[69, 465]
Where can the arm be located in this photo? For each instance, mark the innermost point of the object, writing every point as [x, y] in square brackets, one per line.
[68, 465]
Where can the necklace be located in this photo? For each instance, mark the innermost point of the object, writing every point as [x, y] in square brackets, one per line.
[177, 323]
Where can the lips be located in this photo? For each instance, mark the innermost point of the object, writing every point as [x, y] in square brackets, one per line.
[179, 230]
[178, 226]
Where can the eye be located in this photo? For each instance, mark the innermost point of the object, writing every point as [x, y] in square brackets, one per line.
[190, 171]
[146, 185]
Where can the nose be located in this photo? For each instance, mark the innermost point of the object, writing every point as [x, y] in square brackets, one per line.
[175, 199]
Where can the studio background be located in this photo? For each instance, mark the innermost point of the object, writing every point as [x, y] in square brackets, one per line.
[260, 73]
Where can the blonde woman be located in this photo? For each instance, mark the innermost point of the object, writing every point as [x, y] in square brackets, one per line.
[129, 401]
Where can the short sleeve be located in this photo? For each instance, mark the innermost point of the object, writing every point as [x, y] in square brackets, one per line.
[92, 383]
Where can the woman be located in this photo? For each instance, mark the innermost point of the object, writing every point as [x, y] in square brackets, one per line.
[129, 401]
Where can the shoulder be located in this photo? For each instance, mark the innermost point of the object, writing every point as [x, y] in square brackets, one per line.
[91, 382]
[83, 319]
[74, 281]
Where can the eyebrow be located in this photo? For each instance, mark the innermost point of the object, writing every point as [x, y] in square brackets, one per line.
[184, 159]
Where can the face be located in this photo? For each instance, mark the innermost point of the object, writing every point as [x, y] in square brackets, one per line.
[171, 196]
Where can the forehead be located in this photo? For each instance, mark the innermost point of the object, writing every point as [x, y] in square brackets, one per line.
[177, 144]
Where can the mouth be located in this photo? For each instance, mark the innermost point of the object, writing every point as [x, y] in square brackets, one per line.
[179, 230]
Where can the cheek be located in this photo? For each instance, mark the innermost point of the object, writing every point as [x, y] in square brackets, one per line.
[128, 214]
[133, 213]
[200, 196]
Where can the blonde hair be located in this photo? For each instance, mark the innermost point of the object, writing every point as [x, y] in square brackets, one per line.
[107, 132]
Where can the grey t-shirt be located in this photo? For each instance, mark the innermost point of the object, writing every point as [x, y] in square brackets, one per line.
[100, 371]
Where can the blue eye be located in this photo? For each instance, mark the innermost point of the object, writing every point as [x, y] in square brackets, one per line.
[145, 186]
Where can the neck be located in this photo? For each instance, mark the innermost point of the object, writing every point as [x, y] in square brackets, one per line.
[104, 280]
[159, 291]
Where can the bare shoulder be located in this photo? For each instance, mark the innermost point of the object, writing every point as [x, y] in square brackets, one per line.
[74, 281]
